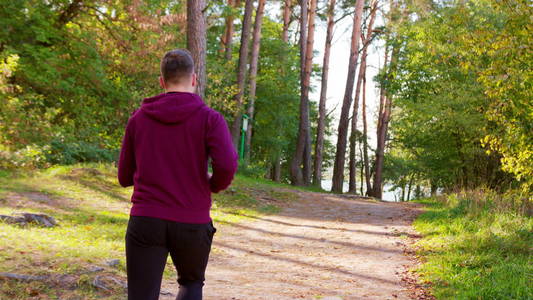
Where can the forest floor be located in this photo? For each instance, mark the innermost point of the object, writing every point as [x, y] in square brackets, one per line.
[273, 241]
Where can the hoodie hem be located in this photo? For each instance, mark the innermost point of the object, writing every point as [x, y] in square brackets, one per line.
[172, 214]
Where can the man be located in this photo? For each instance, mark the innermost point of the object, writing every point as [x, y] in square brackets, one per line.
[164, 156]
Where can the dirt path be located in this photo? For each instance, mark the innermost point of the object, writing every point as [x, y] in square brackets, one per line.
[319, 247]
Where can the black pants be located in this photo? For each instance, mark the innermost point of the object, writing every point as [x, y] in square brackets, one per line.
[148, 243]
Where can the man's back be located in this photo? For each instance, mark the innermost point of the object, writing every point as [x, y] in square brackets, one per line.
[165, 156]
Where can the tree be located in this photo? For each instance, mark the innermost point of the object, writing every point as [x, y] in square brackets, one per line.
[196, 40]
[319, 146]
[384, 114]
[297, 177]
[241, 71]
[227, 37]
[365, 138]
[286, 20]
[256, 43]
[362, 69]
[338, 168]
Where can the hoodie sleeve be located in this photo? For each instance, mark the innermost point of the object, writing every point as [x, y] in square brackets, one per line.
[222, 153]
[126, 162]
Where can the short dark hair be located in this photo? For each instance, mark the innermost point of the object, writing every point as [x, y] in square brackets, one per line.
[176, 65]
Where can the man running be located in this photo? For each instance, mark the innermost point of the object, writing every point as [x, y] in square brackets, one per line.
[164, 156]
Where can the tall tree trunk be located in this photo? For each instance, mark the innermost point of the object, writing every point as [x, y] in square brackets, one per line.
[276, 169]
[365, 137]
[286, 20]
[362, 69]
[307, 168]
[319, 147]
[338, 168]
[295, 170]
[241, 73]
[227, 38]
[256, 43]
[196, 40]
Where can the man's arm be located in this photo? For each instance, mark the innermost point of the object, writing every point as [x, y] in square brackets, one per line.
[222, 153]
[126, 162]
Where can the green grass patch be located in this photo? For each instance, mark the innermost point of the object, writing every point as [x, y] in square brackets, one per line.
[93, 211]
[474, 248]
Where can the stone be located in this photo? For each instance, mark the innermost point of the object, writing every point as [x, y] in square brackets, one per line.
[112, 262]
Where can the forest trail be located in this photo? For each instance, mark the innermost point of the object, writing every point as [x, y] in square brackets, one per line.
[320, 246]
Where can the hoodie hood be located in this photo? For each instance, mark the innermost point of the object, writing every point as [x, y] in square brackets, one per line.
[173, 107]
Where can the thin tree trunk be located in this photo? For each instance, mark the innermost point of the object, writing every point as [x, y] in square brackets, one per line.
[196, 40]
[286, 20]
[241, 74]
[276, 169]
[402, 198]
[365, 137]
[256, 43]
[362, 69]
[307, 168]
[227, 37]
[319, 147]
[338, 168]
[295, 170]
[361, 171]
[381, 140]
[410, 186]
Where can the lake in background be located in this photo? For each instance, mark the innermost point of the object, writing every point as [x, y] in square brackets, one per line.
[390, 196]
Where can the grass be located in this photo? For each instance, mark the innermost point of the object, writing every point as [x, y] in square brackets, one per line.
[92, 210]
[476, 246]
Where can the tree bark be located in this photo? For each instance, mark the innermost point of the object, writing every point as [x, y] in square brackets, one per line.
[361, 169]
[227, 38]
[307, 168]
[286, 20]
[276, 169]
[196, 40]
[338, 168]
[362, 69]
[241, 73]
[256, 43]
[365, 139]
[295, 170]
[410, 187]
[319, 147]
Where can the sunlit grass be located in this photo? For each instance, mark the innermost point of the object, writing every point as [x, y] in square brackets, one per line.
[475, 253]
[92, 211]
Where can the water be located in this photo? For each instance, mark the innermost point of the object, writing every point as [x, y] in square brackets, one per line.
[389, 196]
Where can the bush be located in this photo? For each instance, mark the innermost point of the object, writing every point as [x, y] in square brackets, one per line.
[65, 153]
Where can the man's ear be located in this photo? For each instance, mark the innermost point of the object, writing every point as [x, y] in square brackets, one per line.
[194, 81]
[162, 82]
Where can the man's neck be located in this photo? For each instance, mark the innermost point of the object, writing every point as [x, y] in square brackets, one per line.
[178, 90]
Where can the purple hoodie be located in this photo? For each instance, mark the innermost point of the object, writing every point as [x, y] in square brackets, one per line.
[164, 156]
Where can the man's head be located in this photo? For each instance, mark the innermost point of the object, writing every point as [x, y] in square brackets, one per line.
[177, 71]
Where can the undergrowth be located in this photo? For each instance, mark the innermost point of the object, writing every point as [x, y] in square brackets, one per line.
[477, 245]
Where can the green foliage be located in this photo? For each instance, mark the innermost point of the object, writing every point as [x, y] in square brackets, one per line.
[75, 71]
[476, 245]
[447, 121]
[72, 73]
[501, 52]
